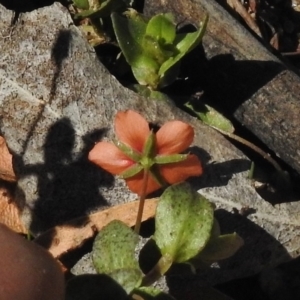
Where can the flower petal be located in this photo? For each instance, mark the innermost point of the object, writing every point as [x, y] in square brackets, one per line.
[110, 158]
[132, 129]
[177, 172]
[174, 137]
[135, 184]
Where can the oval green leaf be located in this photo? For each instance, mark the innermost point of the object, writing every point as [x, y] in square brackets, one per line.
[130, 33]
[145, 71]
[212, 117]
[183, 222]
[153, 49]
[184, 43]
[82, 4]
[162, 29]
[113, 254]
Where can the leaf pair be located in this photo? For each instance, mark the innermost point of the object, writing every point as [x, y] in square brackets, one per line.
[113, 255]
[185, 232]
[153, 49]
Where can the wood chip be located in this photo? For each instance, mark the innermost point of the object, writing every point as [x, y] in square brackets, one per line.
[241, 10]
[6, 168]
[61, 239]
[10, 213]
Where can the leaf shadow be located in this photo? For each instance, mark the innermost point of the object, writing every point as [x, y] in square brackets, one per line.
[68, 185]
[59, 52]
[216, 173]
[229, 82]
[19, 7]
[260, 251]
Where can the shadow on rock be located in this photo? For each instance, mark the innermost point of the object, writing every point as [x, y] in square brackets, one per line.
[94, 287]
[67, 186]
[228, 82]
[259, 252]
[21, 6]
[59, 53]
[216, 173]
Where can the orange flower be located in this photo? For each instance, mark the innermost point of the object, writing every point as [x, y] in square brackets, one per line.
[139, 149]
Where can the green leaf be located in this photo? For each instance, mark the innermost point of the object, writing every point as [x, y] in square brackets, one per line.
[153, 49]
[82, 4]
[212, 117]
[183, 223]
[151, 293]
[145, 70]
[184, 43]
[130, 33]
[113, 255]
[169, 76]
[162, 29]
[221, 247]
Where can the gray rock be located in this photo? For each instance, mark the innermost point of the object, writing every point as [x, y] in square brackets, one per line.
[57, 100]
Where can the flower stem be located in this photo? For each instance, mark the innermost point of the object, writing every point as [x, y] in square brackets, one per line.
[142, 202]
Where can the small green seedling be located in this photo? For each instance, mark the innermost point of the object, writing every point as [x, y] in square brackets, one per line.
[185, 232]
[152, 48]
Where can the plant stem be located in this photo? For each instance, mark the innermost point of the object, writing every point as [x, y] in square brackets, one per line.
[142, 202]
[162, 266]
[264, 154]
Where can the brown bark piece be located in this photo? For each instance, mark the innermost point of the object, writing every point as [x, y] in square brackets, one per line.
[9, 212]
[67, 237]
[241, 10]
[6, 168]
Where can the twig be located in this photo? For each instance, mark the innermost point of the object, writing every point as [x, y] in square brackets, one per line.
[258, 150]
[295, 53]
[241, 10]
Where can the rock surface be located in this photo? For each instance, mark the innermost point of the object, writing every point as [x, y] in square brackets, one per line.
[57, 100]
